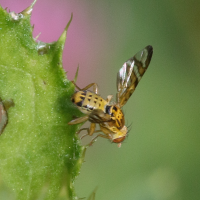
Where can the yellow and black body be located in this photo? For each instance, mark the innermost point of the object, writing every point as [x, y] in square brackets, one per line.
[108, 115]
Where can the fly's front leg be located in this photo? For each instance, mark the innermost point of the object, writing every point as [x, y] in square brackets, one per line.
[97, 131]
[95, 87]
[99, 135]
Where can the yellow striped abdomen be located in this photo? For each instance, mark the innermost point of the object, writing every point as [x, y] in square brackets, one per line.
[87, 101]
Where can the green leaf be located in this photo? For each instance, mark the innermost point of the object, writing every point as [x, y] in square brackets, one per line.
[40, 153]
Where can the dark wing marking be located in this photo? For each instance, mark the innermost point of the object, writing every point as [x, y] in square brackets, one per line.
[131, 73]
[98, 116]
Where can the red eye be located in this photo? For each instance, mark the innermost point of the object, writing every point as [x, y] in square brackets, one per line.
[119, 140]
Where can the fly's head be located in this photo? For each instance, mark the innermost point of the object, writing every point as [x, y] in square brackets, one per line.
[118, 136]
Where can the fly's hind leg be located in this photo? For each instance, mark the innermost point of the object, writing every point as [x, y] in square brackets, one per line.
[95, 87]
[78, 120]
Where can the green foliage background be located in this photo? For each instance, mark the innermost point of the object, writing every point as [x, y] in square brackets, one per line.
[40, 153]
[160, 159]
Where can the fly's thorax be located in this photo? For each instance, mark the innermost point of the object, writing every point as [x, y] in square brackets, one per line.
[117, 116]
[87, 101]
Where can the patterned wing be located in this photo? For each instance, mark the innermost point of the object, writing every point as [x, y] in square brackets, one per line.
[98, 116]
[130, 74]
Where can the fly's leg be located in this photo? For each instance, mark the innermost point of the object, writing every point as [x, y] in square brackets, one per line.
[99, 135]
[90, 130]
[95, 87]
[97, 131]
[78, 120]
[82, 129]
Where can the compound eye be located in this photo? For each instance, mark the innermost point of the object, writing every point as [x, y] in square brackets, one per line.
[119, 140]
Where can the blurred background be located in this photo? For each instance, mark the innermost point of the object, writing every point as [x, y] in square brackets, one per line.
[160, 160]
